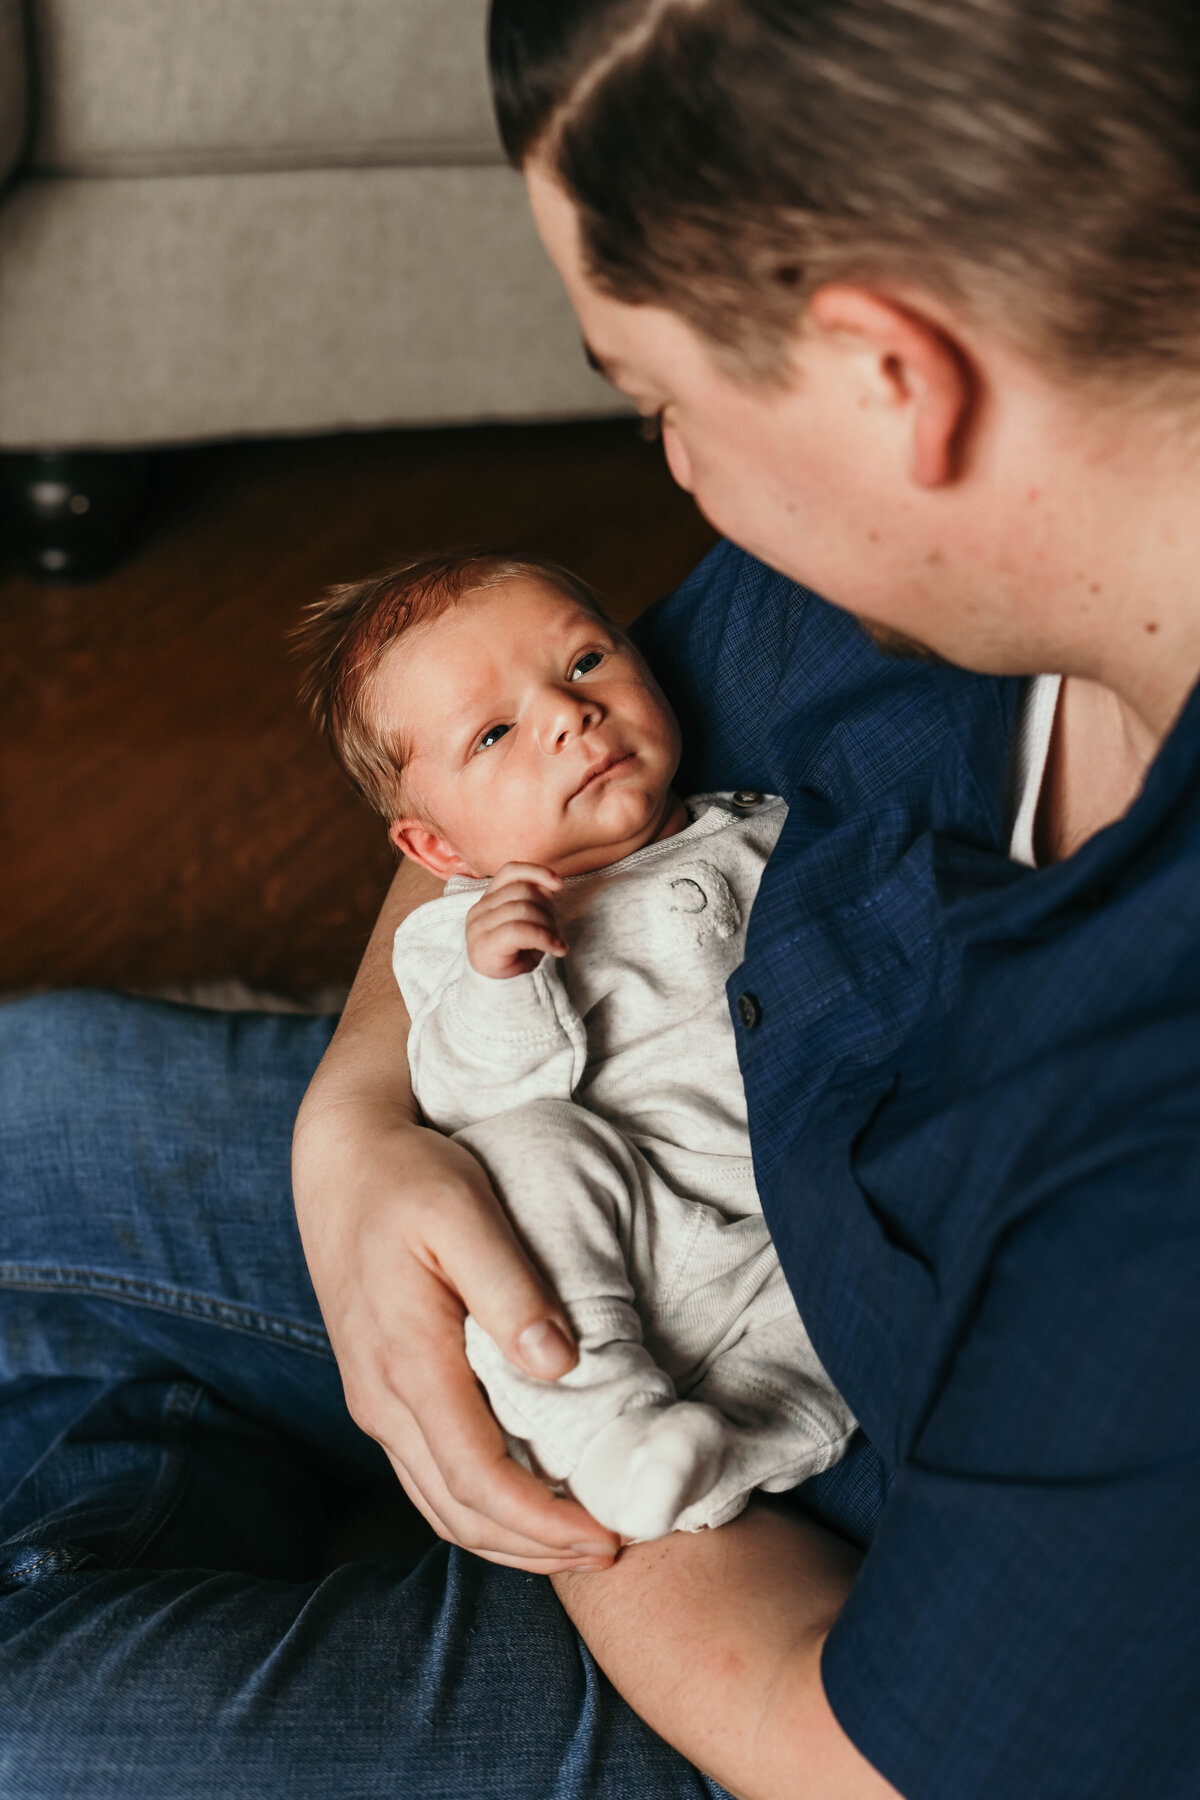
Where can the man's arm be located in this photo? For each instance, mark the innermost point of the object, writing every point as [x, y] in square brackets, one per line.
[403, 1236]
[715, 1639]
[367, 1050]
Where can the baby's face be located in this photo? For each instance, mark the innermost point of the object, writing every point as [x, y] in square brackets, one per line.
[536, 734]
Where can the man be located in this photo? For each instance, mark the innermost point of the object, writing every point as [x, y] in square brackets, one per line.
[913, 288]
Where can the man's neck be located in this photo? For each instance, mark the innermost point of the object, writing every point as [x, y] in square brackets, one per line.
[1100, 751]
[1115, 566]
[1122, 574]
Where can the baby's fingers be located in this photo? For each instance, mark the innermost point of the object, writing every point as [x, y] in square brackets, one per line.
[511, 939]
[536, 874]
[512, 912]
[521, 900]
[494, 904]
[517, 926]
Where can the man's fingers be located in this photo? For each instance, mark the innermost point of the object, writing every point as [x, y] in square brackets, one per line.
[473, 1494]
[499, 1288]
[416, 1394]
[483, 1499]
[482, 1537]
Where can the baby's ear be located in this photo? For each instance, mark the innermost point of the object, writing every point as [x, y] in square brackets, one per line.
[423, 845]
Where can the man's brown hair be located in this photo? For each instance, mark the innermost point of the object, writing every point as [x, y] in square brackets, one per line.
[1035, 163]
[344, 636]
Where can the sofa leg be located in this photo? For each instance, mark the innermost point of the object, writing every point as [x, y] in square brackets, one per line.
[73, 513]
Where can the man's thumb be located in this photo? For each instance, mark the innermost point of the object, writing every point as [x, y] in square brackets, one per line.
[504, 1296]
[544, 1350]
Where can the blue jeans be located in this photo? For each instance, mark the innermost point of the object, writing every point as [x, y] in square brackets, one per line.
[174, 1448]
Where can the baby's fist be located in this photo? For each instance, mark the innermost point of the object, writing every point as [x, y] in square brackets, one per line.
[512, 926]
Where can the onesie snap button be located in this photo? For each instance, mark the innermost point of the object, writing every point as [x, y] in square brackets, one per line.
[747, 799]
[748, 1010]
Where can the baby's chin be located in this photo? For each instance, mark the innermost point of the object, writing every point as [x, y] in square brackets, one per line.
[619, 827]
[616, 825]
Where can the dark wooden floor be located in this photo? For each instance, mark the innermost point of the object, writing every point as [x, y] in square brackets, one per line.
[166, 811]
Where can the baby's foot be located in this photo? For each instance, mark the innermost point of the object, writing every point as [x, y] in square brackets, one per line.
[640, 1471]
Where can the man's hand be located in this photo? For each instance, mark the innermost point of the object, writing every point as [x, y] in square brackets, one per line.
[410, 1239]
[403, 1237]
[512, 927]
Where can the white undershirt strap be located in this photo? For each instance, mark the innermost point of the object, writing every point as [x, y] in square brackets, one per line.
[1027, 763]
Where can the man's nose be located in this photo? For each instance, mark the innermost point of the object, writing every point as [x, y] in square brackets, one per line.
[566, 716]
[679, 462]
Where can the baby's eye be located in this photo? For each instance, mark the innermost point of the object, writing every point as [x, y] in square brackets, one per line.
[491, 736]
[586, 663]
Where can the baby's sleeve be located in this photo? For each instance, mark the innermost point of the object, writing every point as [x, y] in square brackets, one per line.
[478, 1047]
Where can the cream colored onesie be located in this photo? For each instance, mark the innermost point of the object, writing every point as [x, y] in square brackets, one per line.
[603, 1096]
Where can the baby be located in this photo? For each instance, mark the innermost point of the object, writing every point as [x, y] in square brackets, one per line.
[569, 1024]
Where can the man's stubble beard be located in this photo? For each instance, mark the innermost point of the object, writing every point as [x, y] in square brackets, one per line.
[895, 644]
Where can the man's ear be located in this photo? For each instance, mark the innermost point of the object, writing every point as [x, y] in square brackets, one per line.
[424, 846]
[915, 364]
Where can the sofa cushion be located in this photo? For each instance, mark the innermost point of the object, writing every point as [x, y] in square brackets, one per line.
[204, 306]
[139, 87]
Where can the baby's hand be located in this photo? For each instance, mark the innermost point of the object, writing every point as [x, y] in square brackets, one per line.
[512, 927]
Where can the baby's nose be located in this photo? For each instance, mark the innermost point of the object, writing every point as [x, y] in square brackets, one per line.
[566, 718]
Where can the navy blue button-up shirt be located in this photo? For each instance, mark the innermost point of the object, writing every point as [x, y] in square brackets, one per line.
[974, 1097]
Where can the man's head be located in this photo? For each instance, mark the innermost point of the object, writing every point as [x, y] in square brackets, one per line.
[895, 273]
[1034, 163]
[491, 713]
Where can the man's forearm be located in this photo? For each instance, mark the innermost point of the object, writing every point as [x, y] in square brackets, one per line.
[365, 1063]
[715, 1639]
[361, 1092]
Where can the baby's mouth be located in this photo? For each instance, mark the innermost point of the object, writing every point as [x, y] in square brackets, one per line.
[606, 767]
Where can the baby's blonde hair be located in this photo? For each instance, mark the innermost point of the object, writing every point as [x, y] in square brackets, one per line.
[344, 636]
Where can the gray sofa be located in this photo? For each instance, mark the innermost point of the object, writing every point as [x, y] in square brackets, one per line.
[224, 217]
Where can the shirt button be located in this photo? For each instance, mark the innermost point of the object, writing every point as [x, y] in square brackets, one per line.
[749, 1011]
[746, 799]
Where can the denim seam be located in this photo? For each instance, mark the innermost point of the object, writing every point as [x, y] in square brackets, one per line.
[164, 1299]
[39, 1564]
